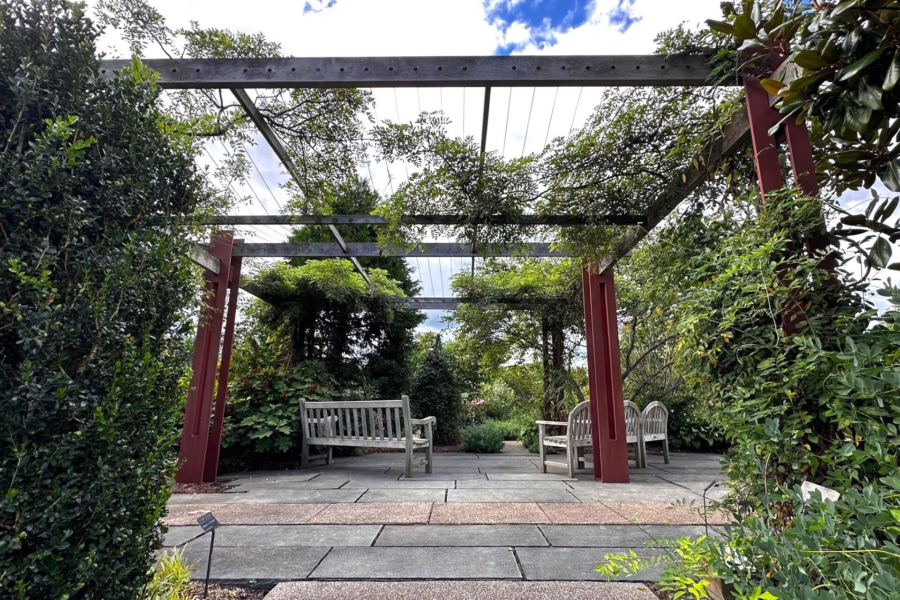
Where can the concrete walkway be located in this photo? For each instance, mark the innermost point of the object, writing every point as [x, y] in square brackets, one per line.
[477, 517]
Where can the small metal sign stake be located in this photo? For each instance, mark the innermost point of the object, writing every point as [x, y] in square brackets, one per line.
[208, 523]
[705, 520]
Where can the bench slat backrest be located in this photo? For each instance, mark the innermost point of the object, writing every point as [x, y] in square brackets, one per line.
[580, 422]
[372, 420]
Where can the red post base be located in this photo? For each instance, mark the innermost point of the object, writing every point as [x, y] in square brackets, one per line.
[605, 377]
[195, 437]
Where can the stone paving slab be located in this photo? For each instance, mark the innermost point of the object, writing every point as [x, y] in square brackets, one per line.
[375, 513]
[487, 513]
[176, 536]
[461, 590]
[418, 563]
[417, 476]
[439, 470]
[461, 535]
[673, 532]
[654, 513]
[583, 514]
[402, 484]
[315, 484]
[407, 495]
[186, 514]
[631, 492]
[245, 514]
[244, 564]
[596, 536]
[510, 495]
[296, 535]
[533, 476]
[270, 477]
[516, 484]
[576, 564]
[225, 498]
[296, 496]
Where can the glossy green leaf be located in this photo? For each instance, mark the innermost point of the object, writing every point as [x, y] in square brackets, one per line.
[810, 60]
[880, 254]
[892, 76]
[857, 119]
[744, 28]
[869, 95]
[890, 176]
[720, 26]
[859, 66]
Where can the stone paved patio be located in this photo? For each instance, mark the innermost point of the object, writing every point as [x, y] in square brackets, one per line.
[477, 517]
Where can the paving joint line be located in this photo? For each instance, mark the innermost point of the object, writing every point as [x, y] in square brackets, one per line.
[544, 535]
[318, 564]
[313, 516]
[430, 512]
[518, 564]
[377, 535]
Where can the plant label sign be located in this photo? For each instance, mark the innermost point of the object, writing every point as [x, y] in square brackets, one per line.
[207, 522]
[827, 494]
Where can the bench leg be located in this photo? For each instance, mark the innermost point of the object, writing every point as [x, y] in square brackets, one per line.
[409, 459]
[666, 450]
[542, 452]
[429, 451]
[304, 455]
[328, 456]
[570, 460]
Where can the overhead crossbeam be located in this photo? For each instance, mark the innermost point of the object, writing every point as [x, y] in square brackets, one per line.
[267, 132]
[530, 220]
[371, 249]
[734, 136]
[452, 303]
[201, 256]
[430, 71]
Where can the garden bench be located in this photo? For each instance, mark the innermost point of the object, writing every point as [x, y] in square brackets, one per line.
[655, 427]
[634, 433]
[369, 424]
[577, 437]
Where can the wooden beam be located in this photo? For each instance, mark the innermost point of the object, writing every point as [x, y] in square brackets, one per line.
[453, 303]
[267, 132]
[430, 71]
[371, 249]
[200, 256]
[346, 250]
[734, 136]
[531, 220]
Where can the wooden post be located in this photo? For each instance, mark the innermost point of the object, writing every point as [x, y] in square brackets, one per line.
[604, 376]
[214, 445]
[194, 438]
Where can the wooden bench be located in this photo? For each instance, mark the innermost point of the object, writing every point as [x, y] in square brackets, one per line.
[576, 439]
[369, 424]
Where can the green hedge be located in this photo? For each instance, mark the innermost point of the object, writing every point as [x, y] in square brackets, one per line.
[92, 285]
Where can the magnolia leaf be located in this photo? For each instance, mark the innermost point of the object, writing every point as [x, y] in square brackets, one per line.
[880, 254]
[720, 26]
[859, 66]
[810, 60]
[744, 28]
[870, 95]
[890, 176]
[808, 80]
[772, 86]
[893, 73]
[858, 118]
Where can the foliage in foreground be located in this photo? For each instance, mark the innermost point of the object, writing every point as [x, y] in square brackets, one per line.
[93, 185]
[487, 438]
[171, 578]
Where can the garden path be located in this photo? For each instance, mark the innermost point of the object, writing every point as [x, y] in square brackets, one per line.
[477, 517]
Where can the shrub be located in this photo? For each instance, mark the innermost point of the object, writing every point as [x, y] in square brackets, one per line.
[436, 392]
[95, 183]
[263, 422]
[509, 430]
[486, 437]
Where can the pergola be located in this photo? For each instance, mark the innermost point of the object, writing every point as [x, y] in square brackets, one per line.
[221, 260]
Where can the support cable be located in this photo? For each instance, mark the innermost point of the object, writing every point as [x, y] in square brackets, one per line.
[550, 122]
[265, 183]
[528, 123]
[575, 112]
[506, 127]
[229, 183]
[441, 271]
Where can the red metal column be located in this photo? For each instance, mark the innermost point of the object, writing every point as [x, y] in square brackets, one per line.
[206, 355]
[765, 147]
[604, 376]
[214, 444]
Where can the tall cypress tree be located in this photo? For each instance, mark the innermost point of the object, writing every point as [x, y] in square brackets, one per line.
[436, 392]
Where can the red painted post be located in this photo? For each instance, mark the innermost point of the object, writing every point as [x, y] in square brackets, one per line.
[763, 117]
[206, 355]
[214, 445]
[604, 376]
